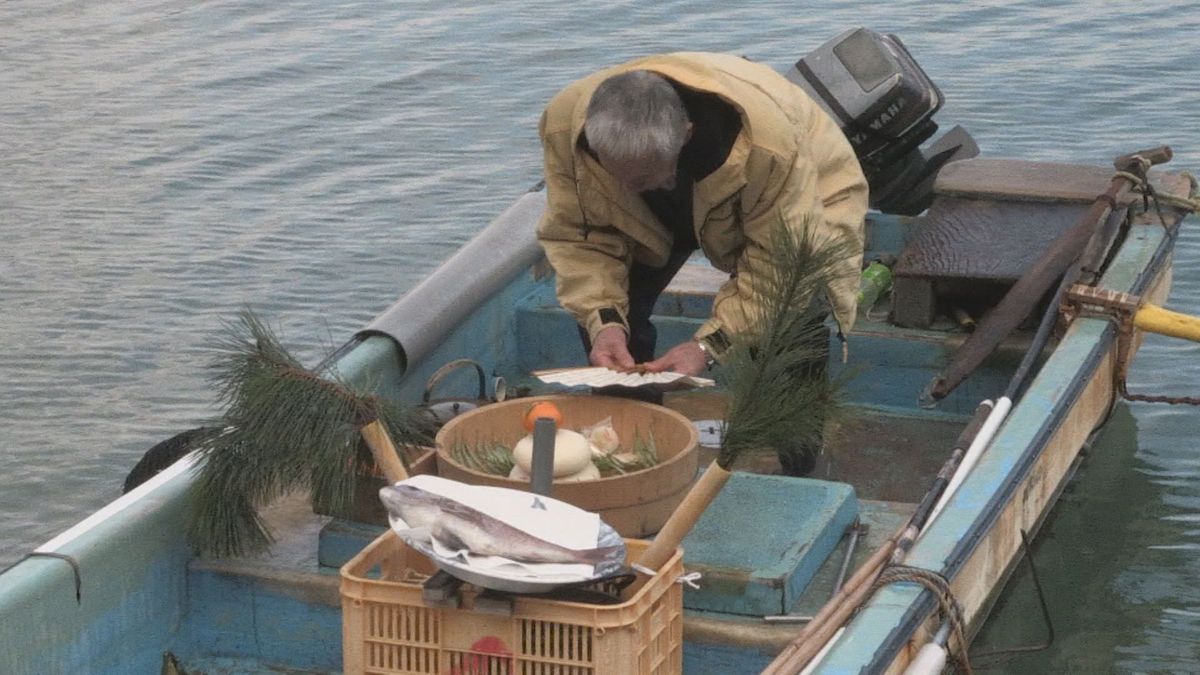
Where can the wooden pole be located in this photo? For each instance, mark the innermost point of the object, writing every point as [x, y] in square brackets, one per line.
[384, 451]
[684, 518]
[825, 623]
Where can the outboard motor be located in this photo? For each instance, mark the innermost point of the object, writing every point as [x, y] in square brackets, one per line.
[884, 103]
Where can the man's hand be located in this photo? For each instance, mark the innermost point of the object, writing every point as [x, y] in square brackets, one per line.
[611, 349]
[686, 358]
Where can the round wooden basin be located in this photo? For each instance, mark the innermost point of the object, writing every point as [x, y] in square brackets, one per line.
[636, 504]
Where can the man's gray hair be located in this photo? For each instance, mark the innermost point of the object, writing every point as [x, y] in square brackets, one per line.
[636, 116]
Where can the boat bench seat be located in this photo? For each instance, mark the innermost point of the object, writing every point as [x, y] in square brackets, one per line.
[989, 222]
[691, 292]
[758, 561]
[548, 333]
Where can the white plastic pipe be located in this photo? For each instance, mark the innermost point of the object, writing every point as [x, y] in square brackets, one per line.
[932, 657]
[982, 440]
[816, 660]
[929, 661]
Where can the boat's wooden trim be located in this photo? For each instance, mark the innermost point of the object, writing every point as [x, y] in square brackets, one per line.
[981, 563]
[1027, 181]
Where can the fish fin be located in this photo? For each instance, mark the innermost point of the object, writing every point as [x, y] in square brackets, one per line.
[447, 537]
[457, 508]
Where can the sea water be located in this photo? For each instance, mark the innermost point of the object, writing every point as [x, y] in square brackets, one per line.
[164, 164]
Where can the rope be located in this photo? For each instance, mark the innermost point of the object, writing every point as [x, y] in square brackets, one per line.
[1154, 398]
[948, 606]
[1134, 179]
[1190, 203]
[1123, 319]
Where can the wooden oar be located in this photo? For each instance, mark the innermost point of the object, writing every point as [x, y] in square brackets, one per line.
[817, 632]
[1052, 264]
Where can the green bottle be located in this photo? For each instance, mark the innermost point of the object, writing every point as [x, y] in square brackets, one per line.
[876, 282]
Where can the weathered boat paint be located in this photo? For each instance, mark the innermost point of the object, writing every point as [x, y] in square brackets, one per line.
[976, 541]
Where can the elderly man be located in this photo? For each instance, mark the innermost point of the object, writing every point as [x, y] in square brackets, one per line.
[650, 160]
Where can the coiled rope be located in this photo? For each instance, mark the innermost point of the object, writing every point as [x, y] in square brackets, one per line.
[948, 605]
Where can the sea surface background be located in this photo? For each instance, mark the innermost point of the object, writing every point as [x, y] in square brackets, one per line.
[164, 164]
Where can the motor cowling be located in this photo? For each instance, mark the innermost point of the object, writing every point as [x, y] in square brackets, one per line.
[884, 103]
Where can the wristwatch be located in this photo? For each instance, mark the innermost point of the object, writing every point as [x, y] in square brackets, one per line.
[709, 359]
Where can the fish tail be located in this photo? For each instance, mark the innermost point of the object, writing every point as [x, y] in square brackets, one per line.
[595, 556]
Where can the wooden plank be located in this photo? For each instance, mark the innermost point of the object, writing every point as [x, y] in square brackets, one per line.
[1021, 179]
[983, 239]
[1013, 179]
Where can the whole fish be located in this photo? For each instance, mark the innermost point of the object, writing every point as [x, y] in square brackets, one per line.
[458, 525]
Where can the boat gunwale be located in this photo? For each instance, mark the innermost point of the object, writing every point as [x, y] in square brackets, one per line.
[918, 608]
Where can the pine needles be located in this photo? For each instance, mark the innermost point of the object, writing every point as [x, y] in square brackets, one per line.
[284, 429]
[772, 404]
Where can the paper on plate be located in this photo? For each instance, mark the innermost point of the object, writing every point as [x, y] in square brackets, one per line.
[598, 376]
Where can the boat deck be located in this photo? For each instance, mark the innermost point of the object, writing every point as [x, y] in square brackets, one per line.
[886, 455]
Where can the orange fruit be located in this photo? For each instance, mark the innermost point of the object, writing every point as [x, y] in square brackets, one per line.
[542, 409]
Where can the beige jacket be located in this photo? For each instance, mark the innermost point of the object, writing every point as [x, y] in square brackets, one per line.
[789, 160]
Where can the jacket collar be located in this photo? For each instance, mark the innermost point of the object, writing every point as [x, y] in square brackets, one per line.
[715, 188]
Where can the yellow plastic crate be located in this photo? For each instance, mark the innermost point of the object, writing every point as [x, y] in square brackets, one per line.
[388, 628]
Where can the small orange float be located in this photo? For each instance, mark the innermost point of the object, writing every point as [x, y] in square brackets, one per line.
[542, 409]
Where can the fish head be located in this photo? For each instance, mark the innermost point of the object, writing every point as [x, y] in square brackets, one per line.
[411, 504]
[410, 494]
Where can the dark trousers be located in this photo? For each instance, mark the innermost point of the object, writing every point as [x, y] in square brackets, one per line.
[800, 458]
[645, 285]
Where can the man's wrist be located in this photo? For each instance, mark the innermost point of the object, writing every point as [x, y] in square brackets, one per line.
[709, 358]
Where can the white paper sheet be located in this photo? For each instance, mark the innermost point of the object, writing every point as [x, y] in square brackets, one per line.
[597, 376]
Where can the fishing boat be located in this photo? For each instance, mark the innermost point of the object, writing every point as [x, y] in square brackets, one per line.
[123, 591]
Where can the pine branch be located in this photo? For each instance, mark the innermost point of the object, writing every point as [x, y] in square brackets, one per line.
[285, 429]
[772, 405]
